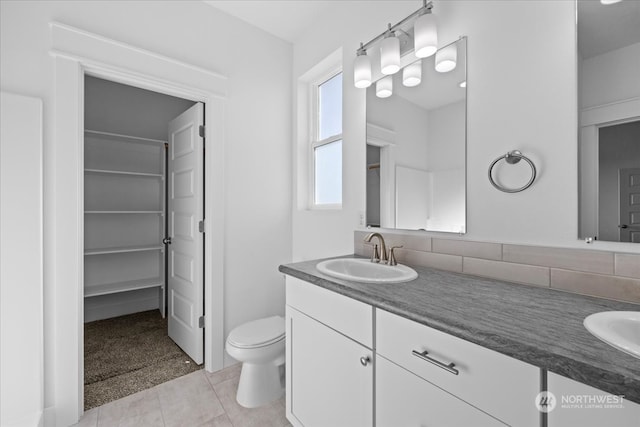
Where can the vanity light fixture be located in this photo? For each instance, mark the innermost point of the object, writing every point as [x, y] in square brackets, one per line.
[425, 40]
[446, 58]
[362, 69]
[425, 33]
[384, 87]
[390, 53]
[607, 2]
[412, 74]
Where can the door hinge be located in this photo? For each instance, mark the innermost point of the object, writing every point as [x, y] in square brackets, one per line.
[201, 131]
[201, 226]
[201, 322]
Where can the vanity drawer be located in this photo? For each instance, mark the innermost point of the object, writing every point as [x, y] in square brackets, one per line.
[497, 384]
[347, 316]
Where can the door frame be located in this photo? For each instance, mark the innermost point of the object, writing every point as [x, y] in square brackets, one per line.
[77, 53]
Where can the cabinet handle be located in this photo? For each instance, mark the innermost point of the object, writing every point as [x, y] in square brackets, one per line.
[364, 360]
[447, 367]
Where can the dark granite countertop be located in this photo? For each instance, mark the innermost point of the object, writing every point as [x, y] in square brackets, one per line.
[540, 326]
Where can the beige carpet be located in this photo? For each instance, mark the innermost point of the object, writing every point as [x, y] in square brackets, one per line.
[128, 354]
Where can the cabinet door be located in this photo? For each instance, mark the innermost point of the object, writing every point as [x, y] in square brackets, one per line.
[578, 404]
[404, 399]
[327, 385]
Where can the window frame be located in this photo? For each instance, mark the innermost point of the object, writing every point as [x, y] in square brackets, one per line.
[315, 142]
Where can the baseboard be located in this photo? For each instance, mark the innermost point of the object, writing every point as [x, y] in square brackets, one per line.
[107, 306]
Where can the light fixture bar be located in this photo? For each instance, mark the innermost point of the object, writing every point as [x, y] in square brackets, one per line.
[427, 5]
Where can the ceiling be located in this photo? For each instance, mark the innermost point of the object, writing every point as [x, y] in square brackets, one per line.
[286, 19]
[602, 28]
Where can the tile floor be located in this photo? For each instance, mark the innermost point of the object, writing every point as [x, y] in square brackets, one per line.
[197, 399]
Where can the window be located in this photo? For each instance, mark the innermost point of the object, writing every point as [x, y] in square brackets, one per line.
[327, 142]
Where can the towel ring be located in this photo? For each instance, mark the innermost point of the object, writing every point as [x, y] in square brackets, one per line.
[513, 157]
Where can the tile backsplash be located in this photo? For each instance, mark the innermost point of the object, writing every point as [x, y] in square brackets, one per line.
[597, 273]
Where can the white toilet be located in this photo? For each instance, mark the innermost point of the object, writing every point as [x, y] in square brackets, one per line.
[259, 345]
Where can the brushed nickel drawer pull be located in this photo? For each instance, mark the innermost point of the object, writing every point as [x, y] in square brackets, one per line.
[447, 367]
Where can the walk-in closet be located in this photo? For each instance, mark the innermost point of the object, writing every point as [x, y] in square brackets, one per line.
[127, 193]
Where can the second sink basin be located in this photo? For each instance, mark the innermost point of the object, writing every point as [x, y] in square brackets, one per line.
[620, 329]
[363, 270]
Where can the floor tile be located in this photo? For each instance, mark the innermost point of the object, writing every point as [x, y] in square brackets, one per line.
[89, 419]
[188, 401]
[225, 374]
[137, 410]
[271, 415]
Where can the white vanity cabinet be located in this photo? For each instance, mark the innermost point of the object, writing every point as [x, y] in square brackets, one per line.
[578, 404]
[497, 389]
[329, 369]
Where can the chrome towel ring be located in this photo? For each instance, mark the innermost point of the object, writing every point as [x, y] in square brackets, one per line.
[513, 157]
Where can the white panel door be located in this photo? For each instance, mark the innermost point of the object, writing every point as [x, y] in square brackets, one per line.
[630, 205]
[185, 210]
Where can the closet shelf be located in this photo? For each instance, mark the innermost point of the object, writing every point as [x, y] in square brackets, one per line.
[123, 249]
[125, 212]
[127, 138]
[115, 172]
[113, 288]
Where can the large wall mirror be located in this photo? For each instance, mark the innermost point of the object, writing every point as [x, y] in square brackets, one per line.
[609, 120]
[416, 146]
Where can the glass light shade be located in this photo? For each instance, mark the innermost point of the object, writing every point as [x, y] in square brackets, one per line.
[610, 1]
[362, 71]
[384, 87]
[412, 74]
[425, 32]
[390, 55]
[446, 58]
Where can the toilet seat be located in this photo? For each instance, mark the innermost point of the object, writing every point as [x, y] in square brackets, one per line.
[258, 333]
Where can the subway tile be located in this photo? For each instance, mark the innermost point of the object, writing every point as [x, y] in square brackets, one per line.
[430, 259]
[611, 287]
[510, 272]
[407, 241]
[565, 258]
[627, 265]
[466, 248]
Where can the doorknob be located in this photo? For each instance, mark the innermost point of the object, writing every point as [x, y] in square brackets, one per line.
[623, 226]
[364, 360]
[166, 240]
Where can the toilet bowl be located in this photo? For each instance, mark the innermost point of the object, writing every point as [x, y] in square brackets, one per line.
[259, 345]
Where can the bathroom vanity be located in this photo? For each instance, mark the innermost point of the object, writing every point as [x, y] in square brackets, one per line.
[448, 349]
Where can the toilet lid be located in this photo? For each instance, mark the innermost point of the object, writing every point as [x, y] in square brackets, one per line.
[258, 333]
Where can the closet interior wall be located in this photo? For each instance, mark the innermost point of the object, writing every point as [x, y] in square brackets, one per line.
[125, 138]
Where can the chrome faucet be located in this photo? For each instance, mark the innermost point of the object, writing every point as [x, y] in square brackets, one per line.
[383, 247]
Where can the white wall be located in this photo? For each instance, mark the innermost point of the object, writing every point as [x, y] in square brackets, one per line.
[258, 205]
[610, 77]
[21, 338]
[117, 108]
[522, 94]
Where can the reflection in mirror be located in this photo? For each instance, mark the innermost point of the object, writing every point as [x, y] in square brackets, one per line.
[416, 149]
[609, 120]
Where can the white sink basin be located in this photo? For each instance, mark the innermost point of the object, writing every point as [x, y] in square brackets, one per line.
[363, 270]
[620, 329]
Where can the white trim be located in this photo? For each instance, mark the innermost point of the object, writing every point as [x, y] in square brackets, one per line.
[384, 138]
[611, 112]
[76, 53]
[314, 108]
